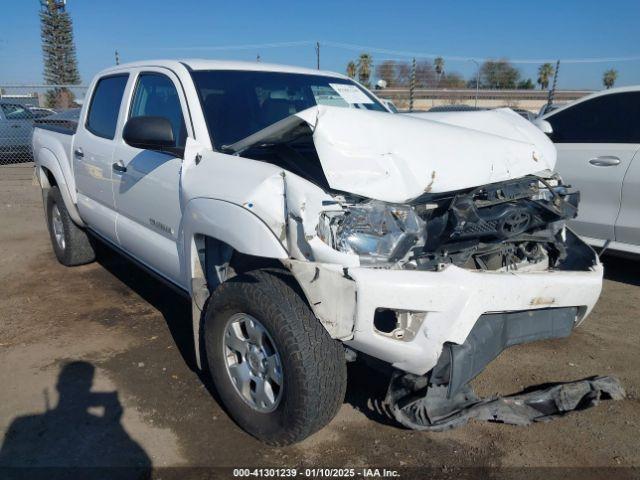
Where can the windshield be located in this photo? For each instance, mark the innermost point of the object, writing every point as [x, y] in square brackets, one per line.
[237, 104]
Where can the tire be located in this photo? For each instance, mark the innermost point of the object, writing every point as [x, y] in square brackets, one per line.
[70, 243]
[313, 367]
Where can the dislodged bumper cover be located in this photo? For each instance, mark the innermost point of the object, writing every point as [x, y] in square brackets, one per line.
[431, 409]
[493, 333]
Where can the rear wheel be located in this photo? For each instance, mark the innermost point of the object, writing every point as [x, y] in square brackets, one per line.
[278, 372]
[70, 243]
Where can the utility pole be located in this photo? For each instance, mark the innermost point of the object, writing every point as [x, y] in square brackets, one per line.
[477, 78]
[318, 55]
[412, 85]
[117, 58]
[552, 92]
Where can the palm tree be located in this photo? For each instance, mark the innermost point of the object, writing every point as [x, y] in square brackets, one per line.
[351, 69]
[438, 64]
[365, 62]
[545, 72]
[609, 78]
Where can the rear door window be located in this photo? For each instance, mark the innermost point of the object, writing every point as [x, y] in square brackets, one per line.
[105, 105]
[613, 118]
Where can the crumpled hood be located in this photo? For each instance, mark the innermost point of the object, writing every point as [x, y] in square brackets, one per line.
[398, 157]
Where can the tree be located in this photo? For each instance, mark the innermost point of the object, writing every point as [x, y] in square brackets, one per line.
[609, 78]
[545, 72]
[365, 63]
[525, 85]
[403, 74]
[425, 75]
[498, 74]
[454, 80]
[351, 69]
[438, 64]
[387, 71]
[59, 52]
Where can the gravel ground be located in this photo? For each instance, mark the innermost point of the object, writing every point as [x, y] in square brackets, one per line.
[131, 339]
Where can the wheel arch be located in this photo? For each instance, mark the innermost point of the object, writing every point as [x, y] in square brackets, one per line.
[50, 174]
[210, 246]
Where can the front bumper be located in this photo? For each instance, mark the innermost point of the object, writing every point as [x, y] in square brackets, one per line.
[454, 300]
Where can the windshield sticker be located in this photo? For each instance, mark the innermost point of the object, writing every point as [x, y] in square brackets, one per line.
[350, 93]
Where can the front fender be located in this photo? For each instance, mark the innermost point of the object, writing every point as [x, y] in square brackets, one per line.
[232, 224]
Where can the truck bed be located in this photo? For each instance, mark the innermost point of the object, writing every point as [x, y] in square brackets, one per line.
[64, 122]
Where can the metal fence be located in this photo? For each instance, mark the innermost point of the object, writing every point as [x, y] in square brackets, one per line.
[21, 106]
[425, 98]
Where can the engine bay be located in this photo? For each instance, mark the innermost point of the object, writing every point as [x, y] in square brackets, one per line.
[507, 225]
[512, 225]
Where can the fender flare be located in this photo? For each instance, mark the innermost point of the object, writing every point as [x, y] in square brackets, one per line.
[47, 159]
[213, 217]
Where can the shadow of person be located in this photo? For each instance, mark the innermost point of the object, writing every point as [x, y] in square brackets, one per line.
[83, 430]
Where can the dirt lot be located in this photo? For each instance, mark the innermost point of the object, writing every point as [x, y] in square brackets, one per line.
[133, 336]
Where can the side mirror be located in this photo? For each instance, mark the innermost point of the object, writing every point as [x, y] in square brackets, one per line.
[149, 133]
[543, 125]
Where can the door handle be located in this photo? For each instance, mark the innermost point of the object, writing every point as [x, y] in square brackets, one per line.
[605, 161]
[78, 153]
[119, 167]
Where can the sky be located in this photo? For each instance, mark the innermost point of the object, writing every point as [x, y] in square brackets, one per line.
[284, 32]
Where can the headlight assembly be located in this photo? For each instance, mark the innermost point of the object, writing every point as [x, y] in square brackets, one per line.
[378, 232]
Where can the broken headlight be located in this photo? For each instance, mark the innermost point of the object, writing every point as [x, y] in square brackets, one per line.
[378, 232]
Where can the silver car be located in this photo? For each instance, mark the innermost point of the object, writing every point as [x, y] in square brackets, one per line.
[16, 130]
[598, 139]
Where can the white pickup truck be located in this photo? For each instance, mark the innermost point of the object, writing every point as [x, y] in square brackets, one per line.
[309, 225]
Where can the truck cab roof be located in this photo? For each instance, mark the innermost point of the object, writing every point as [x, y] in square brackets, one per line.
[205, 64]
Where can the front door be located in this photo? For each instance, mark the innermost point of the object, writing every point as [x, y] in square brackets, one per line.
[147, 182]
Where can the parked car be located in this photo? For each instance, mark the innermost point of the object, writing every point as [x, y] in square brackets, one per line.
[309, 227]
[598, 139]
[40, 112]
[16, 129]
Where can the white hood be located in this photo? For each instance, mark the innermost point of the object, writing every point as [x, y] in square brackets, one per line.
[397, 157]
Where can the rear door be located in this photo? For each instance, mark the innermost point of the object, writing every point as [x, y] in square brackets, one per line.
[93, 155]
[596, 140]
[147, 183]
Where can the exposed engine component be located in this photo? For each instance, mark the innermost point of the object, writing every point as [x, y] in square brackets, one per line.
[507, 225]
[502, 225]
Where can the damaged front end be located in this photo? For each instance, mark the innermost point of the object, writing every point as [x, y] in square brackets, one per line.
[431, 270]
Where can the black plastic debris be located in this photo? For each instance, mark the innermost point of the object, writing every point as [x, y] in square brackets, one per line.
[419, 406]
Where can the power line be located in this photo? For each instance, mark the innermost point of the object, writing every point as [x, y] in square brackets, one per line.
[395, 53]
[409, 54]
[241, 47]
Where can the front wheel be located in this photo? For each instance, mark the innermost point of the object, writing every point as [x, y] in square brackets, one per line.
[278, 372]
